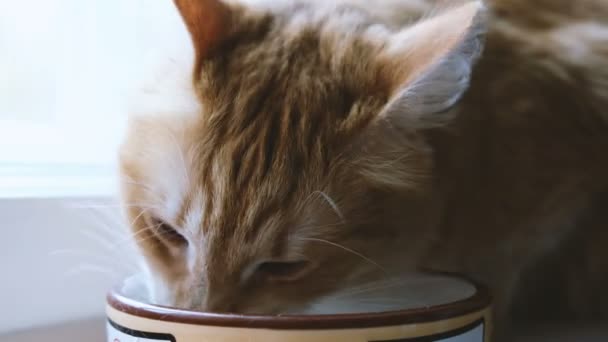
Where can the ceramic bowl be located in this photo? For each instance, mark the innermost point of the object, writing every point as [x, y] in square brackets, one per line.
[442, 308]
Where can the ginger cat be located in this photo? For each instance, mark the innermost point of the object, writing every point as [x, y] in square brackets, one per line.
[306, 147]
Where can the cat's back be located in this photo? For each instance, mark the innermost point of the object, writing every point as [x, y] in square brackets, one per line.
[532, 129]
[536, 112]
[546, 60]
[546, 14]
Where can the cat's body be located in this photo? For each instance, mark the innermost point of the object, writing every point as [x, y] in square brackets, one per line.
[310, 135]
[523, 165]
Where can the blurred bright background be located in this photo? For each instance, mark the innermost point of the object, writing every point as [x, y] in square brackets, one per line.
[67, 68]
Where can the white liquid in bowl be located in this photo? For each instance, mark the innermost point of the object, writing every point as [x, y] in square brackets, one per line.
[412, 292]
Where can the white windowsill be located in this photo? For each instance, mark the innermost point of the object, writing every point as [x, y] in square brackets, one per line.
[64, 244]
[65, 180]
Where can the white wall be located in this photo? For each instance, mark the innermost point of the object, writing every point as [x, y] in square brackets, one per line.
[57, 261]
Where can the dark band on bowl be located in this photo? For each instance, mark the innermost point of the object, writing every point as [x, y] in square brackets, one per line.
[479, 301]
[444, 335]
[141, 334]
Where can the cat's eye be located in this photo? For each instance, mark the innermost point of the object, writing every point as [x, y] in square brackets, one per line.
[168, 233]
[284, 271]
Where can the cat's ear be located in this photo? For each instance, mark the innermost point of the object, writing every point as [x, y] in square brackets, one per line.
[208, 21]
[429, 64]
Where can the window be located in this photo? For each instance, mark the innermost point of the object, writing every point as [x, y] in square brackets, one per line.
[67, 68]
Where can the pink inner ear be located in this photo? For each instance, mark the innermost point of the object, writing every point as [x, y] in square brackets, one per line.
[208, 22]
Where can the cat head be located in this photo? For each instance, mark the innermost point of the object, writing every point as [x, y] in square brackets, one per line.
[297, 167]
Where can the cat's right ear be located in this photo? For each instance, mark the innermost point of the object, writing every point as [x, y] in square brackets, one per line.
[429, 64]
[208, 21]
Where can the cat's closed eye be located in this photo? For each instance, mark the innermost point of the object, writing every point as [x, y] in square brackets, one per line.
[167, 233]
[284, 271]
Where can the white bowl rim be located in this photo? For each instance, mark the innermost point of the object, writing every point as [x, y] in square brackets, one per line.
[479, 301]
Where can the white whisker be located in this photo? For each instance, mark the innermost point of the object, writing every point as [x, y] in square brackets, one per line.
[142, 212]
[103, 241]
[332, 204]
[131, 181]
[348, 250]
[93, 269]
[132, 238]
[329, 200]
[96, 257]
[111, 206]
[374, 286]
[100, 220]
[185, 174]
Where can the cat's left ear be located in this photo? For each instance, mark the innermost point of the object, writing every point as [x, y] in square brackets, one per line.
[429, 64]
[208, 21]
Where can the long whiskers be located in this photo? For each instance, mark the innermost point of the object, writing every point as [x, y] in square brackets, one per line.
[131, 181]
[117, 205]
[106, 223]
[95, 257]
[133, 238]
[370, 261]
[371, 287]
[93, 269]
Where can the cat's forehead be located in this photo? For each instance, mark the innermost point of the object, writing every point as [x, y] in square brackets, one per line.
[311, 59]
[276, 99]
[280, 104]
[249, 181]
[277, 106]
